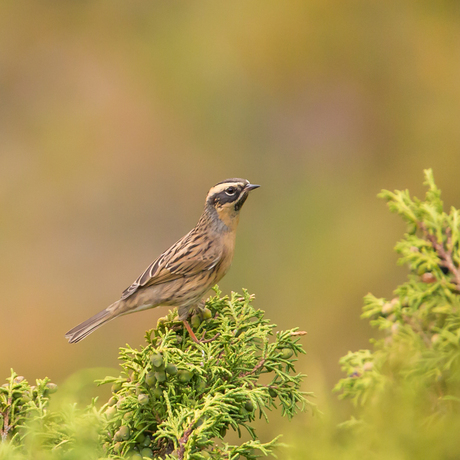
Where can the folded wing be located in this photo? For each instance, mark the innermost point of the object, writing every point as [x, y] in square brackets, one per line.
[192, 254]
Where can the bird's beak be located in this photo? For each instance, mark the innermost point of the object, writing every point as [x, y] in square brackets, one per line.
[250, 187]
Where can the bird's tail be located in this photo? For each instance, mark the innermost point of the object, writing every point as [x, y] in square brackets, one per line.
[84, 329]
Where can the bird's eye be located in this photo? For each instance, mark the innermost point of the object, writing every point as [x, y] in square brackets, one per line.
[230, 191]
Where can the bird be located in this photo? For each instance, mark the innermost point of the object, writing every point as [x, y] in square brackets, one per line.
[182, 274]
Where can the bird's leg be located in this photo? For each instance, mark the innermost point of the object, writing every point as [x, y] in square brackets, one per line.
[193, 336]
[189, 329]
[198, 309]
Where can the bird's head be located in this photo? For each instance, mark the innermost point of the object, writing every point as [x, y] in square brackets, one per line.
[227, 198]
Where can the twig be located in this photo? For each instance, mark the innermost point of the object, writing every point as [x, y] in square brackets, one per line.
[6, 419]
[183, 441]
[444, 255]
[256, 368]
[202, 340]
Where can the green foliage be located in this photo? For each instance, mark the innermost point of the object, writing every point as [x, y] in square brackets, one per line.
[20, 401]
[30, 429]
[177, 399]
[421, 322]
[405, 390]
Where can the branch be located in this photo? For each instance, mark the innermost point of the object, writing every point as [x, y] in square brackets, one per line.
[183, 441]
[444, 255]
[6, 419]
[256, 368]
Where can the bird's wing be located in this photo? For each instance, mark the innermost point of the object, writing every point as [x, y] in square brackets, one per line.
[190, 255]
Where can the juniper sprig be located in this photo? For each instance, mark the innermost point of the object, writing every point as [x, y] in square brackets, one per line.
[177, 399]
[20, 402]
[422, 321]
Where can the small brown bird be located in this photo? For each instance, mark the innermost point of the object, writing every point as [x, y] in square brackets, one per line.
[182, 274]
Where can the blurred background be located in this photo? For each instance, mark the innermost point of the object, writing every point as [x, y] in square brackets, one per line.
[117, 117]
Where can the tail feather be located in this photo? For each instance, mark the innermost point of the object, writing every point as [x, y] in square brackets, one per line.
[90, 325]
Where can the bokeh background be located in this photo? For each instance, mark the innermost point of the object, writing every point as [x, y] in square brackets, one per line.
[117, 116]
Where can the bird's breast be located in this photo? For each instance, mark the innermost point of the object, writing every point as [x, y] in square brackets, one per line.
[228, 248]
